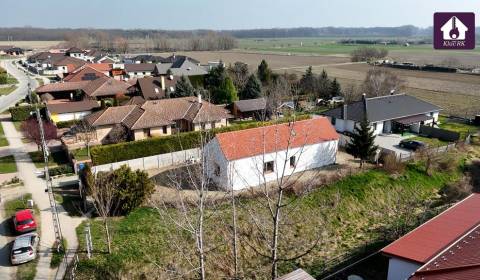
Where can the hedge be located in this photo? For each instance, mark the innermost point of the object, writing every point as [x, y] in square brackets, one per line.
[161, 145]
[67, 124]
[21, 113]
[60, 170]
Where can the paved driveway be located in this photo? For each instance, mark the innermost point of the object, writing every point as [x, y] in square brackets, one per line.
[390, 142]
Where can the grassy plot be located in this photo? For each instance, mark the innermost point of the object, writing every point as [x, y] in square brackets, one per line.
[7, 90]
[81, 154]
[431, 142]
[3, 140]
[56, 158]
[142, 243]
[461, 128]
[7, 165]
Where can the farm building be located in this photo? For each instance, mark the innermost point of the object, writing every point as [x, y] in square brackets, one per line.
[445, 247]
[386, 114]
[250, 157]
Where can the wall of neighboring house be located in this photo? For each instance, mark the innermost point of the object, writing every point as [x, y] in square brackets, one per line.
[140, 134]
[377, 127]
[69, 116]
[161, 131]
[399, 269]
[139, 74]
[216, 164]
[103, 131]
[210, 125]
[249, 172]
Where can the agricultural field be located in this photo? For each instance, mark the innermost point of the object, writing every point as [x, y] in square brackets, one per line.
[31, 44]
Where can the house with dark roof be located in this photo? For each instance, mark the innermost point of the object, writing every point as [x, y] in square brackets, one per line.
[160, 117]
[251, 157]
[75, 52]
[445, 247]
[180, 65]
[386, 114]
[250, 108]
[138, 70]
[147, 58]
[151, 88]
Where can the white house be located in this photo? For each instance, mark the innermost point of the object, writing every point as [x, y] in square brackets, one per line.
[250, 157]
[386, 114]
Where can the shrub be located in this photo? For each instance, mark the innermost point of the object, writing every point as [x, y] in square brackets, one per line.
[392, 165]
[67, 124]
[60, 170]
[3, 79]
[161, 145]
[457, 190]
[21, 113]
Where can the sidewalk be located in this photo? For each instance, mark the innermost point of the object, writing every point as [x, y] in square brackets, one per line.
[36, 186]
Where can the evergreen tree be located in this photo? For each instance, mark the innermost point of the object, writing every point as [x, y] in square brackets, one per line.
[215, 77]
[183, 88]
[335, 89]
[323, 85]
[307, 82]
[226, 93]
[264, 73]
[252, 89]
[362, 144]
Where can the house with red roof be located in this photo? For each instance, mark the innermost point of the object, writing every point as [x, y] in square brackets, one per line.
[445, 247]
[250, 157]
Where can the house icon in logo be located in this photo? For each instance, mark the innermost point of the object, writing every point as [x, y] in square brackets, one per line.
[454, 29]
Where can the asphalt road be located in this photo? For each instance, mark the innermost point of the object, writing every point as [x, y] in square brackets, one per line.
[22, 87]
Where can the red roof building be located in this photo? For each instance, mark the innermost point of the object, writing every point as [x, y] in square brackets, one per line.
[426, 242]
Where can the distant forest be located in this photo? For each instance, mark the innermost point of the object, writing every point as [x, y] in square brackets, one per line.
[59, 34]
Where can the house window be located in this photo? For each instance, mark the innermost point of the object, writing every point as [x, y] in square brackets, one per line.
[293, 161]
[333, 120]
[203, 125]
[164, 130]
[134, 73]
[217, 170]
[374, 126]
[268, 167]
[146, 132]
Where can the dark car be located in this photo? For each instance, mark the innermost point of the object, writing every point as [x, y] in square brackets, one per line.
[412, 144]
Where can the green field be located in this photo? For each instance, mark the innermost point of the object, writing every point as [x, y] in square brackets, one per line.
[321, 46]
[7, 165]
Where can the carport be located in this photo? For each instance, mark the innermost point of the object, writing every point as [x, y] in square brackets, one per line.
[411, 123]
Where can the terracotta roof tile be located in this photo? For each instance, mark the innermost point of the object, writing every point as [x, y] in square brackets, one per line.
[274, 138]
[424, 242]
[70, 107]
[111, 115]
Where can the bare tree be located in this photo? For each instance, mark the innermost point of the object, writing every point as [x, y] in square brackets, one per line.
[121, 44]
[239, 74]
[380, 81]
[85, 133]
[351, 93]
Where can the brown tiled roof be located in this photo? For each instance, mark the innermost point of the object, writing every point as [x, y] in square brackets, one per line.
[67, 60]
[151, 87]
[111, 87]
[250, 105]
[85, 74]
[59, 87]
[146, 119]
[135, 100]
[111, 115]
[71, 107]
[269, 139]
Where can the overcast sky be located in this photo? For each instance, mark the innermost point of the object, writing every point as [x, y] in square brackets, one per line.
[226, 14]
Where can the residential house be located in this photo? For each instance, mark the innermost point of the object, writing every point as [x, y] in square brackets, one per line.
[85, 73]
[76, 53]
[15, 51]
[298, 274]
[61, 110]
[250, 108]
[250, 157]
[146, 58]
[139, 70]
[386, 114]
[151, 88]
[159, 117]
[445, 247]
[180, 66]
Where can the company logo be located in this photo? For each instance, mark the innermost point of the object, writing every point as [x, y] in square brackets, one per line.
[454, 31]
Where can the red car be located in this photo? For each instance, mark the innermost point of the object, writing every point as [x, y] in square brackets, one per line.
[23, 221]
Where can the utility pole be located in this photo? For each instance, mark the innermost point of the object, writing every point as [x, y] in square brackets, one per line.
[53, 205]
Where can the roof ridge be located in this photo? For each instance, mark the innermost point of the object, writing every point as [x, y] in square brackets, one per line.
[384, 96]
[143, 113]
[270, 125]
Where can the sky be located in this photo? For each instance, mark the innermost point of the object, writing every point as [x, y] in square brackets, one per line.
[226, 14]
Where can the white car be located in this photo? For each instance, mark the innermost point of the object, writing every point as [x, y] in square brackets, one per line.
[24, 248]
[336, 100]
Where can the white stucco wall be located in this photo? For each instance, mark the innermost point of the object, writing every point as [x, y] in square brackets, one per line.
[399, 269]
[69, 116]
[248, 172]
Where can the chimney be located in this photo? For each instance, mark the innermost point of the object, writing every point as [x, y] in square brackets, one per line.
[199, 99]
[344, 111]
[162, 79]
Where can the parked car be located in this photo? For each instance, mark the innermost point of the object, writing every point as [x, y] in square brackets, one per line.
[412, 144]
[24, 248]
[23, 221]
[336, 100]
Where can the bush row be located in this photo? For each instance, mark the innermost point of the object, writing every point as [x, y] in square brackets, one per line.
[161, 145]
[67, 124]
[21, 113]
[60, 170]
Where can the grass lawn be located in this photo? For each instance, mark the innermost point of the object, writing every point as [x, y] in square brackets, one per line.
[28, 270]
[3, 140]
[81, 154]
[7, 165]
[461, 128]
[142, 241]
[7, 90]
[56, 158]
[431, 142]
